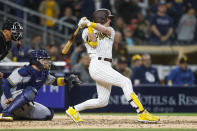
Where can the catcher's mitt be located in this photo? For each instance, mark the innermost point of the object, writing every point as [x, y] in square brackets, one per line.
[72, 80]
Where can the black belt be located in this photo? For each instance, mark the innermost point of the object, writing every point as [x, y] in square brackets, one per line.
[105, 59]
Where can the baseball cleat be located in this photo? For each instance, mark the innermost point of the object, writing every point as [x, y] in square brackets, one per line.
[5, 118]
[73, 114]
[146, 117]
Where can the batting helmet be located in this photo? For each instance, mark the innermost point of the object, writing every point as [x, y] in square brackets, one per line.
[101, 15]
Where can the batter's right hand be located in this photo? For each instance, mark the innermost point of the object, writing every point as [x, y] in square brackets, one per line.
[9, 101]
[1, 75]
[83, 22]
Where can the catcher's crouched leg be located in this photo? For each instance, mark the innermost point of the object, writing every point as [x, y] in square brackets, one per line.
[27, 95]
[34, 111]
[50, 117]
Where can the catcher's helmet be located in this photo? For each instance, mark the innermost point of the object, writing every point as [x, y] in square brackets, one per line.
[15, 28]
[39, 54]
[35, 57]
[101, 15]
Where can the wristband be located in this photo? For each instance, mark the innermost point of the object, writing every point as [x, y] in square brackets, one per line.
[90, 29]
[93, 44]
[59, 81]
[93, 25]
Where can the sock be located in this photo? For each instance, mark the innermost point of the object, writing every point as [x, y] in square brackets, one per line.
[135, 103]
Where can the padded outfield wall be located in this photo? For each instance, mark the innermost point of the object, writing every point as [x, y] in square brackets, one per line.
[154, 98]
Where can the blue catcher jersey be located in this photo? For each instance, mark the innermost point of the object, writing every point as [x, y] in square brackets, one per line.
[28, 76]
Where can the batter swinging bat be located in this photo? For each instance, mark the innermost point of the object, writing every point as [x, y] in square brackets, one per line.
[70, 42]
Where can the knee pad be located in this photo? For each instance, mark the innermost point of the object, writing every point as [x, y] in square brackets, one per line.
[29, 93]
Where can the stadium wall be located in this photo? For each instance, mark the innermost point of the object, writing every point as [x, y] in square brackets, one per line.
[154, 98]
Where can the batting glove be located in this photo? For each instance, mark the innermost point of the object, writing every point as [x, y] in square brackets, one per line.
[83, 22]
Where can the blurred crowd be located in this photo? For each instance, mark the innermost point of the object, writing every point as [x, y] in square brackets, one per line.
[157, 22]
[137, 22]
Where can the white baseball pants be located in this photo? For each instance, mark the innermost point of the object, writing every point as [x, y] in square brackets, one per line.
[105, 76]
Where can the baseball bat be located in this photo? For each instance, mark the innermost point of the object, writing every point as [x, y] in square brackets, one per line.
[70, 42]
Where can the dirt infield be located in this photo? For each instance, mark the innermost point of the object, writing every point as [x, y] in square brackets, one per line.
[95, 121]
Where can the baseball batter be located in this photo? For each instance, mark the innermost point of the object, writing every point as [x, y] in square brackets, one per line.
[99, 38]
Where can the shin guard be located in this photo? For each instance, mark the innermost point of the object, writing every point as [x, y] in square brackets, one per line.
[27, 95]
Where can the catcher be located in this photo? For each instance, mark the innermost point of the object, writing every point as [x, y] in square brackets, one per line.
[21, 87]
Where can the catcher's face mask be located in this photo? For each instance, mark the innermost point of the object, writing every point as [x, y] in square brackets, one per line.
[46, 63]
[40, 58]
[16, 31]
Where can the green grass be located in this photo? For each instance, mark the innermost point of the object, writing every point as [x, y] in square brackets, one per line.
[133, 114]
[102, 130]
